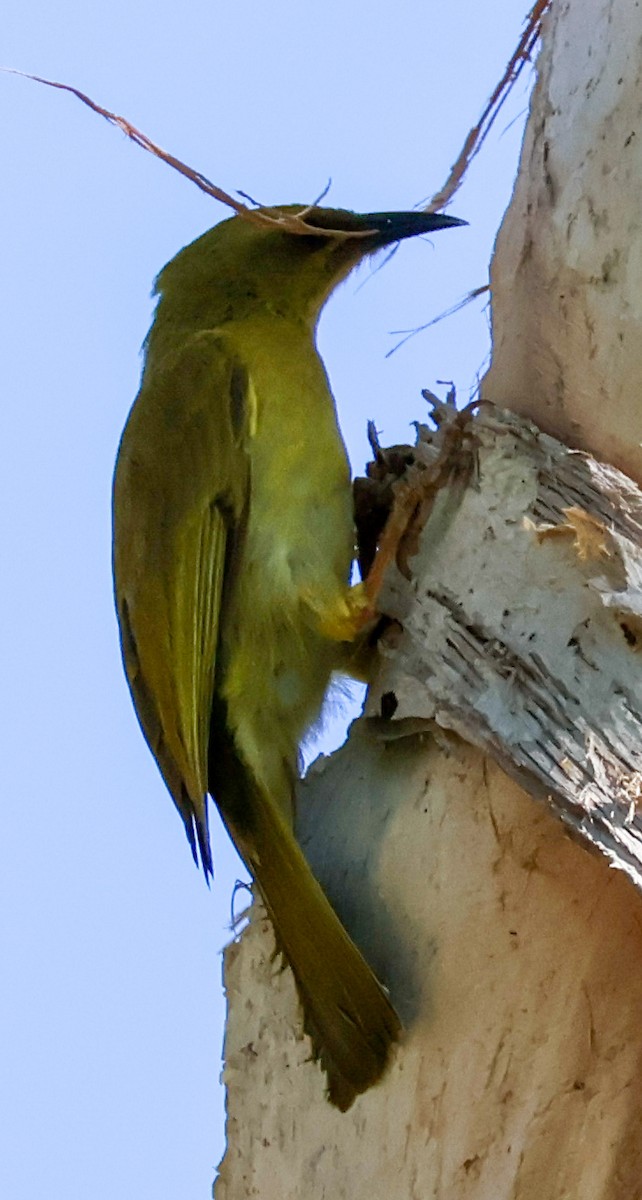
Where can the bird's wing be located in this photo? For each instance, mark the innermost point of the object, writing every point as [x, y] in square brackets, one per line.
[181, 490]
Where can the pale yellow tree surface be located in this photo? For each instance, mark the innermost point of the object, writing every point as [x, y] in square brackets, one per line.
[567, 272]
[516, 960]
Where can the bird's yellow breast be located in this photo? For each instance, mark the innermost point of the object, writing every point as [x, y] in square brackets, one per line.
[295, 555]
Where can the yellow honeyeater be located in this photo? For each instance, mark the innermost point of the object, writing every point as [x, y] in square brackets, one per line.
[233, 544]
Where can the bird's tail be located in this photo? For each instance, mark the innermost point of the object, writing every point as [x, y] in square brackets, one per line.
[347, 1014]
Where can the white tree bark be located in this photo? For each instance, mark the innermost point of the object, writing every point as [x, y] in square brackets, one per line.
[566, 275]
[513, 955]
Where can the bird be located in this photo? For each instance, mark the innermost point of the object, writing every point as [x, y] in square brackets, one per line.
[233, 541]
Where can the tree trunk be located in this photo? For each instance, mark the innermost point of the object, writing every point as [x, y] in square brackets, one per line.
[512, 716]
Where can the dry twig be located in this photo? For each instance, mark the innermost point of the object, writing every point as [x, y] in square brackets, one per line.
[479, 133]
[293, 222]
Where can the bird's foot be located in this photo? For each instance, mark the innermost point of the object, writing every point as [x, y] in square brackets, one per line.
[349, 616]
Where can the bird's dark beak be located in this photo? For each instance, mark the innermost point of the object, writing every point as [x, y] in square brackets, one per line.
[394, 226]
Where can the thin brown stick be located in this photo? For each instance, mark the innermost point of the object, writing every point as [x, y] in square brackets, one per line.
[292, 222]
[479, 133]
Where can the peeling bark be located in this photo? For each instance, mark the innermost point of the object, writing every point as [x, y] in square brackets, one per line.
[521, 625]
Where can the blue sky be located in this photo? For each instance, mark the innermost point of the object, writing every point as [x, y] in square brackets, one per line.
[112, 1007]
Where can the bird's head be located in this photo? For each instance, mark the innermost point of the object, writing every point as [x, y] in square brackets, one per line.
[239, 268]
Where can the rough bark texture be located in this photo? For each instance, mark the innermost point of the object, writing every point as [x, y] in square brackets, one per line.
[513, 955]
[520, 627]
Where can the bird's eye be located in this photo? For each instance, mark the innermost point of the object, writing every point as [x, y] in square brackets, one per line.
[312, 243]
